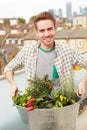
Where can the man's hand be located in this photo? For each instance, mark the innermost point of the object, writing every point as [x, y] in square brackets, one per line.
[81, 89]
[14, 91]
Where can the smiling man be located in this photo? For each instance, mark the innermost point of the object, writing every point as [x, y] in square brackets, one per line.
[47, 57]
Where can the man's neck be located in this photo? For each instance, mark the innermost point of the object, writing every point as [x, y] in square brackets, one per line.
[47, 47]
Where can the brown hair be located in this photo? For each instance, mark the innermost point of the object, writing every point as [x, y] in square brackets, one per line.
[44, 16]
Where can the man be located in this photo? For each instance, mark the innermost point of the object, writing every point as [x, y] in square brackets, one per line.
[46, 57]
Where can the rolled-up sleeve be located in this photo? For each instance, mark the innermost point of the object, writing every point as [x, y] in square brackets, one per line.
[80, 59]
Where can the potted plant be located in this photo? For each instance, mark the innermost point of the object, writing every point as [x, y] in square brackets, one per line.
[48, 108]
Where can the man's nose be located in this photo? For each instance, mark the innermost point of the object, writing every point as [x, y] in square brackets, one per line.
[46, 33]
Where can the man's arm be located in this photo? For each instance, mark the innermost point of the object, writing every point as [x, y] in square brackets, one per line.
[14, 89]
[82, 87]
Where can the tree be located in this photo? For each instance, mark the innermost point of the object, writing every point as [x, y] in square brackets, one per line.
[31, 21]
[21, 20]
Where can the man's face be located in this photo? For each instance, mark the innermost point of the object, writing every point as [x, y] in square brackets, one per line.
[46, 32]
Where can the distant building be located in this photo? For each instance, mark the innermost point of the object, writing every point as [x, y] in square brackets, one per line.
[69, 10]
[12, 50]
[51, 11]
[75, 38]
[75, 14]
[80, 21]
[60, 13]
[83, 11]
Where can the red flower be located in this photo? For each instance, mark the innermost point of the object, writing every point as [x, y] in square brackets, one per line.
[30, 108]
[50, 87]
[32, 100]
[28, 104]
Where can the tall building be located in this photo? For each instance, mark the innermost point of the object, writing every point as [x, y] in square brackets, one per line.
[69, 10]
[52, 11]
[83, 11]
[60, 13]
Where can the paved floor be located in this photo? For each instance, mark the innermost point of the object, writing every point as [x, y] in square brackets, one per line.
[82, 121]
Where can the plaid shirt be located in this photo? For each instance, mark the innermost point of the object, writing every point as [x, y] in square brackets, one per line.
[65, 59]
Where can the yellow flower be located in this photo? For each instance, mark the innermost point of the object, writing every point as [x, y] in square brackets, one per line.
[29, 97]
[61, 97]
[65, 98]
[23, 104]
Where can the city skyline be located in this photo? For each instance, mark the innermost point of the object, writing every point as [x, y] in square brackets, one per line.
[26, 9]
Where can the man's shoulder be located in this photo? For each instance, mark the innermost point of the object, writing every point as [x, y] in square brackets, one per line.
[31, 45]
[61, 44]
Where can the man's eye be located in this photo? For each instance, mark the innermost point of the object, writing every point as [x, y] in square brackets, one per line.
[41, 31]
[49, 29]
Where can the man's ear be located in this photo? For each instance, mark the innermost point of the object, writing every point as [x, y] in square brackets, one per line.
[56, 27]
[35, 31]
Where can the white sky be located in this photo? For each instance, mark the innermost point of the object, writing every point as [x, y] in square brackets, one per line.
[28, 8]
